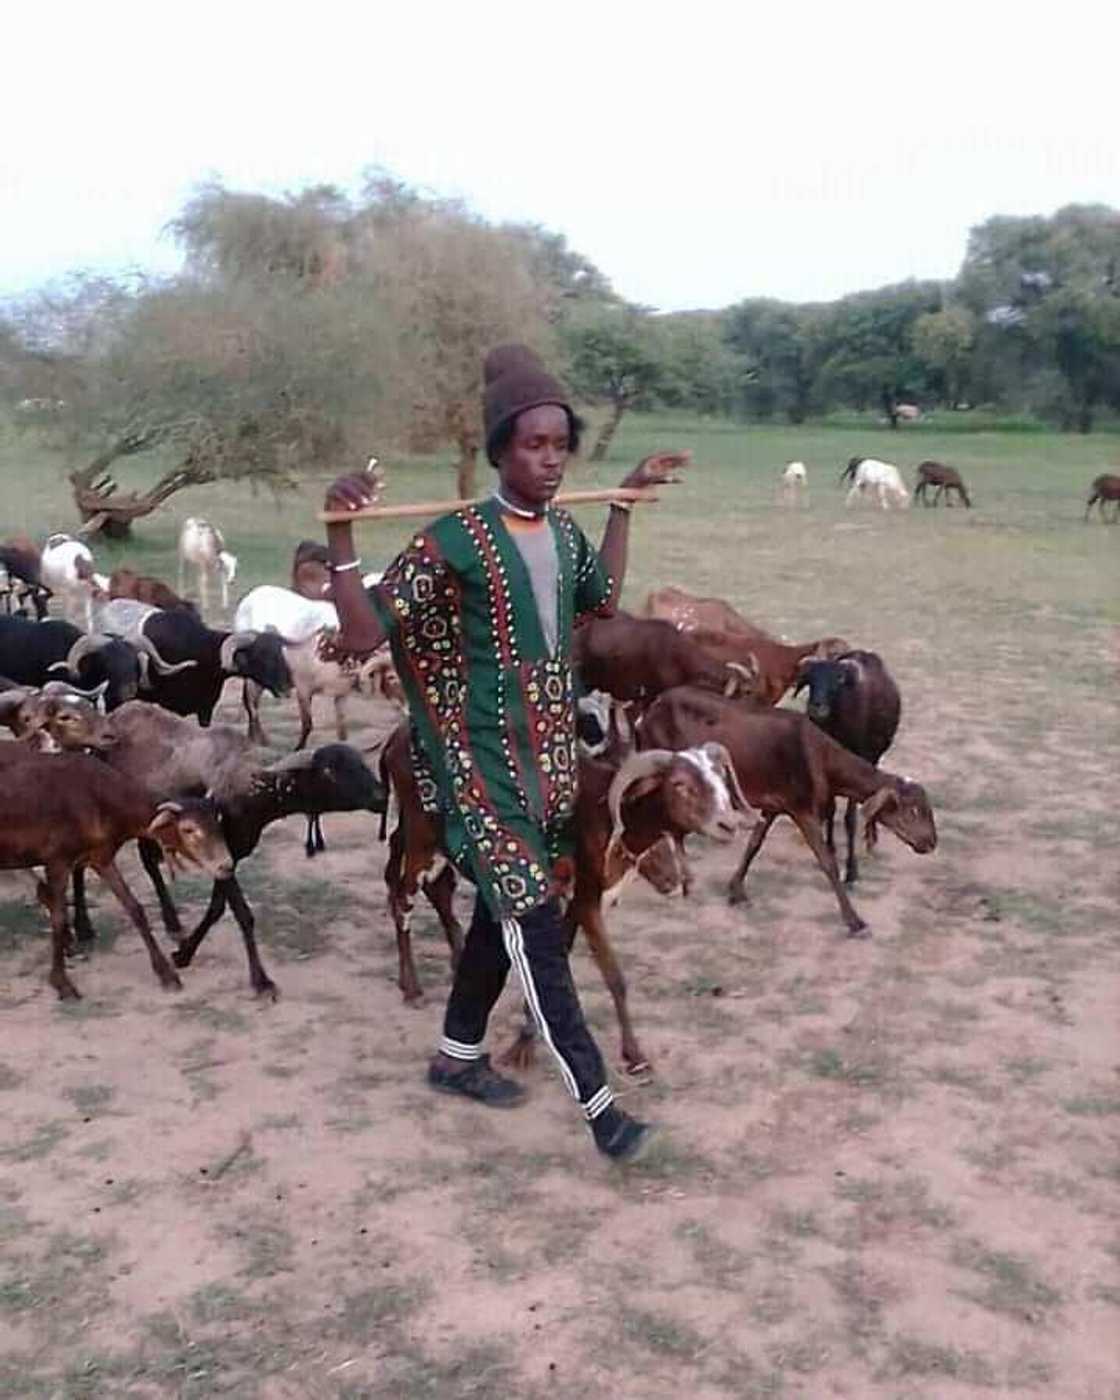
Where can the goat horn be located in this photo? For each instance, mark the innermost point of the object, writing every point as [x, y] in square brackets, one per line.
[92, 641]
[64, 688]
[719, 753]
[232, 643]
[750, 673]
[637, 766]
[165, 668]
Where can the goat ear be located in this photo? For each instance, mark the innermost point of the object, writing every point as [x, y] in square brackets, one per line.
[878, 803]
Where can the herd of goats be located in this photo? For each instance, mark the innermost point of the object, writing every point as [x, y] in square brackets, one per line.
[679, 733]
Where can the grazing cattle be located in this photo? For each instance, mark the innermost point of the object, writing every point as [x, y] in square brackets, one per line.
[201, 545]
[787, 766]
[795, 484]
[945, 479]
[855, 699]
[66, 568]
[688, 613]
[879, 480]
[1105, 488]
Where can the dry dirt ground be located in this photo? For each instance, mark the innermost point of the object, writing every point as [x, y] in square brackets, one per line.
[887, 1169]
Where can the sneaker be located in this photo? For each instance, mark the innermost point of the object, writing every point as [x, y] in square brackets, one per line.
[476, 1080]
[620, 1137]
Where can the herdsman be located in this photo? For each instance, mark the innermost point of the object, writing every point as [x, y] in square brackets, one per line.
[479, 609]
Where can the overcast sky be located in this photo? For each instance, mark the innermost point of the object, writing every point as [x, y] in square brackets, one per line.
[698, 153]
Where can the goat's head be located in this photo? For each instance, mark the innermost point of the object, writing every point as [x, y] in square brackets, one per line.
[190, 834]
[331, 778]
[825, 680]
[903, 807]
[73, 719]
[698, 787]
[227, 562]
[257, 656]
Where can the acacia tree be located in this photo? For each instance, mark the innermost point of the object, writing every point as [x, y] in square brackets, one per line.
[615, 357]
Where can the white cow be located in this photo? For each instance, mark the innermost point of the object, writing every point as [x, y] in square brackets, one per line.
[66, 568]
[795, 483]
[881, 480]
[202, 545]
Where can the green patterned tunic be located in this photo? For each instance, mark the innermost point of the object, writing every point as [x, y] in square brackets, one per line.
[492, 710]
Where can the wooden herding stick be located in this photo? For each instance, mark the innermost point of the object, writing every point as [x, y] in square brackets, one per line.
[434, 508]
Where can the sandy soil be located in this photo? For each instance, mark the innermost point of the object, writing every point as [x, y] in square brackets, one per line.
[888, 1168]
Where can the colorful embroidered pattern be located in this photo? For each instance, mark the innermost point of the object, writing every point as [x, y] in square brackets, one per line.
[493, 722]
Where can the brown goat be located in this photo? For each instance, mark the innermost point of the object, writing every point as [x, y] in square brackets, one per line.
[775, 664]
[787, 766]
[623, 813]
[65, 811]
[636, 658]
[945, 479]
[1105, 488]
[127, 583]
[688, 613]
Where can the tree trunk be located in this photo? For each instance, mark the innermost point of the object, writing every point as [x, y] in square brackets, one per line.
[890, 408]
[465, 468]
[608, 430]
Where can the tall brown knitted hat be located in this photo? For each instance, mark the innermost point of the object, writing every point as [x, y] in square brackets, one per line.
[515, 381]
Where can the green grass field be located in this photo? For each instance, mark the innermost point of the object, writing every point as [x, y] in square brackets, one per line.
[888, 1169]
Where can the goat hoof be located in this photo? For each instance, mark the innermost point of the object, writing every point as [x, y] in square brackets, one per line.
[860, 930]
[181, 957]
[737, 895]
[67, 991]
[170, 981]
[267, 988]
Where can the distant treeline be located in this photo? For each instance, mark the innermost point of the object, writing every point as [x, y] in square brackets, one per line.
[306, 332]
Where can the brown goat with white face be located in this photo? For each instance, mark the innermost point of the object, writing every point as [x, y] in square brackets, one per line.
[623, 815]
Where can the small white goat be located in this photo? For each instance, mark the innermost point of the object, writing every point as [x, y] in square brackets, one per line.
[307, 626]
[66, 568]
[202, 545]
[879, 479]
[795, 484]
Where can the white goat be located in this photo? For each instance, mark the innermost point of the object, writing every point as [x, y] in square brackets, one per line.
[308, 626]
[882, 480]
[202, 545]
[795, 484]
[66, 568]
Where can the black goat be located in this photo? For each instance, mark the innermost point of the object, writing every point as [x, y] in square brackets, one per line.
[34, 653]
[174, 758]
[855, 700]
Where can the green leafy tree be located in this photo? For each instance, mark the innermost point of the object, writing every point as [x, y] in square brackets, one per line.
[615, 357]
[778, 346]
[944, 341]
[1048, 292]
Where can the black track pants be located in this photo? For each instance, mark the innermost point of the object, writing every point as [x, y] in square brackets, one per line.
[536, 945]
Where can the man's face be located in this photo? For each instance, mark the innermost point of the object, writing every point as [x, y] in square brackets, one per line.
[532, 467]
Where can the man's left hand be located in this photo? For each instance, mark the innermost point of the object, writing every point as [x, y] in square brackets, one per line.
[658, 470]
